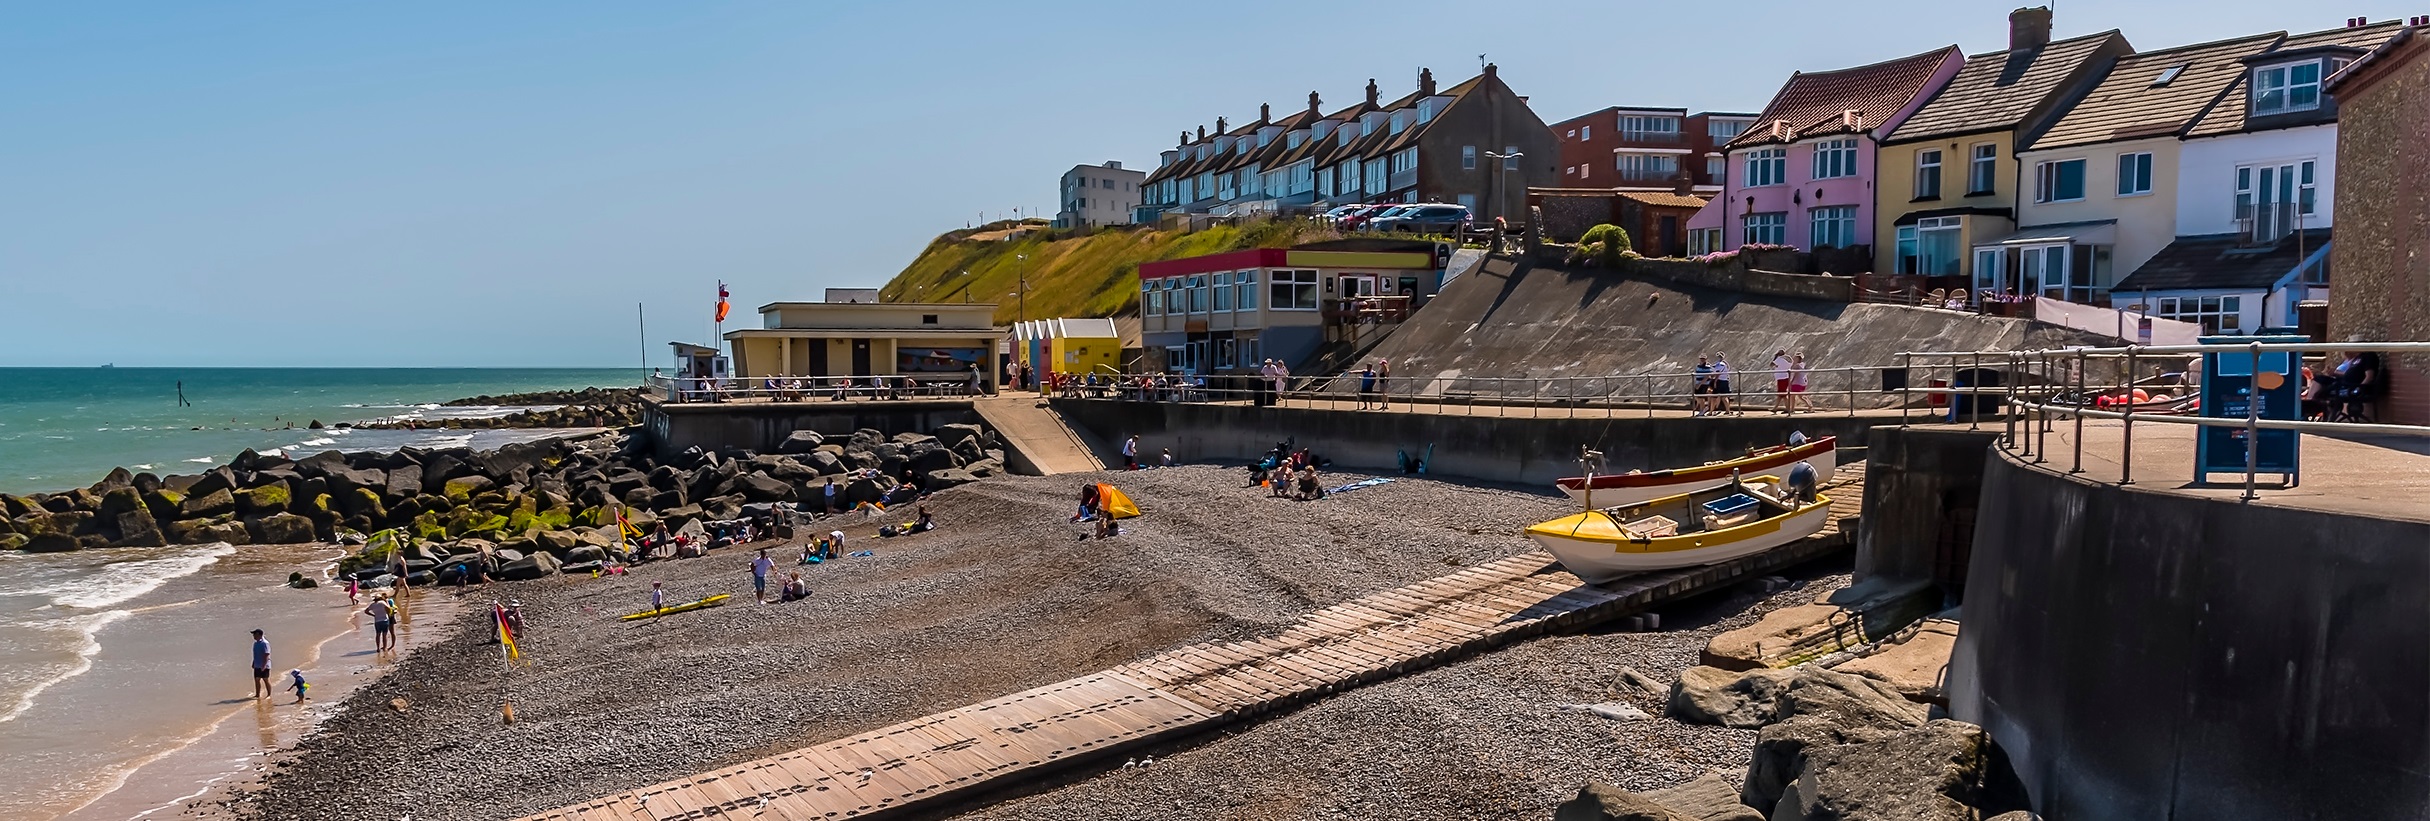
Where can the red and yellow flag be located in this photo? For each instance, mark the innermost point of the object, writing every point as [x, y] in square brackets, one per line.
[722, 307]
[506, 632]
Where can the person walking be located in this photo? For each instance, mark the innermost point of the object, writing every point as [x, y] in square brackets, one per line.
[1721, 384]
[1383, 383]
[1701, 401]
[261, 665]
[760, 568]
[1799, 372]
[1780, 381]
[1366, 386]
[1130, 453]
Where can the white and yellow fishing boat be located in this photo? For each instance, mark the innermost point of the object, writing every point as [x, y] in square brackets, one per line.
[1631, 488]
[1741, 518]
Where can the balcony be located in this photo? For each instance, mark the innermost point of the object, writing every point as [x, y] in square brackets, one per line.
[1661, 138]
[2267, 223]
[1403, 179]
[1655, 175]
[1366, 310]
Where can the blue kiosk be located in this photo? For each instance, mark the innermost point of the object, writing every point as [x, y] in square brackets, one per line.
[2242, 385]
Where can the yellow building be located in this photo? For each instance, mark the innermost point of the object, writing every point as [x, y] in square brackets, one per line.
[1946, 181]
[1068, 346]
[828, 339]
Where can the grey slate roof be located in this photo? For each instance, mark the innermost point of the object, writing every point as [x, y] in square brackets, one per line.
[2002, 89]
[2126, 105]
[2231, 114]
[2217, 261]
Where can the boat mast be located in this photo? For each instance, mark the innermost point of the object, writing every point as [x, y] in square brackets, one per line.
[1587, 460]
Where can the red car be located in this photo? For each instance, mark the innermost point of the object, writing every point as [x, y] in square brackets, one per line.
[1367, 213]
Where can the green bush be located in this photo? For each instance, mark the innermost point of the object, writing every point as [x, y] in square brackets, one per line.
[1609, 242]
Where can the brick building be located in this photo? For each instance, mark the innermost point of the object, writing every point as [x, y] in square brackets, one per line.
[1656, 221]
[1627, 147]
[2381, 260]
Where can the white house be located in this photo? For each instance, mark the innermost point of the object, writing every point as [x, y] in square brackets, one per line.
[1098, 195]
[2256, 176]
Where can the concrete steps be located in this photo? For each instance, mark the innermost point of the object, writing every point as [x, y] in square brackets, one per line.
[1037, 442]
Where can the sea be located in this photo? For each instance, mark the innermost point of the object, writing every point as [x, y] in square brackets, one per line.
[124, 690]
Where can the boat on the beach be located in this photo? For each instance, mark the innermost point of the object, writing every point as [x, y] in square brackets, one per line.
[1740, 518]
[1632, 488]
[711, 601]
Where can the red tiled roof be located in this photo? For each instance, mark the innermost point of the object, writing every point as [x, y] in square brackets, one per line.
[1815, 100]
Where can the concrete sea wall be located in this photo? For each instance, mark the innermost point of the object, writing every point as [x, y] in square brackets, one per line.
[1515, 448]
[2143, 655]
[763, 426]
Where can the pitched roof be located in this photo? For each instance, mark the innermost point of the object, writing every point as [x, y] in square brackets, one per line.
[2396, 49]
[2132, 102]
[1815, 101]
[2230, 116]
[2221, 261]
[2001, 89]
[1663, 198]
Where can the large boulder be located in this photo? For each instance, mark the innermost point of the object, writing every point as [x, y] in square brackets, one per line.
[118, 501]
[536, 565]
[1739, 700]
[212, 481]
[1849, 699]
[866, 490]
[969, 450]
[1942, 771]
[137, 528]
[1604, 802]
[585, 553]
[930, 460]
[985, 468]
[908, 440]
[280, 528]
[950, 477]
[865, 439]
[403, 483]
[824, 462]
[50, 543]
[1780, 753]
[213, 503]
[14, 541]
[761, 488]
[439, 468]
[801, 441]
[165, 503]
[1713, 797]
[463, 488]
[954, 435]
[364, 502]
[232, 532]
[264, 500]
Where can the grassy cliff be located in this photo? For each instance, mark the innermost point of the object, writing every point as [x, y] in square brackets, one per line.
[1070, 273]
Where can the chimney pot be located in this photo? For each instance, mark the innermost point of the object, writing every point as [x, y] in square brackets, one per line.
[2028, 28]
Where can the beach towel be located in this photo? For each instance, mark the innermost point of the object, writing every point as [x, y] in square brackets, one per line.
[1356, 485]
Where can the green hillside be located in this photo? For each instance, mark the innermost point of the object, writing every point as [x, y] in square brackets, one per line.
[1070, 273]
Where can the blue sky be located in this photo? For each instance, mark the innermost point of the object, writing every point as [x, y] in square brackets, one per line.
[500, 183]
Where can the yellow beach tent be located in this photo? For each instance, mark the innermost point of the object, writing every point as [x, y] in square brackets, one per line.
[1114, 503]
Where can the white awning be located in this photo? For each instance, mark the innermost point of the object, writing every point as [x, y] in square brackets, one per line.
[2096, 232]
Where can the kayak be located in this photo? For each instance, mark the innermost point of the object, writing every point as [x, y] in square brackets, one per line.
[711, 601]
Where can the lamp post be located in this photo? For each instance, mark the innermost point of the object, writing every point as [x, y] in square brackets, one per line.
[1021, 274]
[1499, 160]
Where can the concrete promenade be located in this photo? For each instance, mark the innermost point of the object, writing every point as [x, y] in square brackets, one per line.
[2388, 478]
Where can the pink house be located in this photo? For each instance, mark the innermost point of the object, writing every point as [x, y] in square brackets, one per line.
[1803, 174]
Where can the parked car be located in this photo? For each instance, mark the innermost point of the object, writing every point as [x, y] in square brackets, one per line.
[1335, 215]
[1428, 218]
[1365, 220]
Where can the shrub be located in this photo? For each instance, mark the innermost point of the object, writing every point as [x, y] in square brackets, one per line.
[1608, 241]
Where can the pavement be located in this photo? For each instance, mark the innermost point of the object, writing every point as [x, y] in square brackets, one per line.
[1037, 435]
[2384, 477]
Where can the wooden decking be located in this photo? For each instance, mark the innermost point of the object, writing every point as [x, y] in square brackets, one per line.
[959, 752]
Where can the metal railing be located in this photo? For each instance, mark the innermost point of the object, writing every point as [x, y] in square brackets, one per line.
[2040, 386]
[686, 390]
[1843, 391]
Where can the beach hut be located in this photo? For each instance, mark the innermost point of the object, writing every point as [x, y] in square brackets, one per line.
[1068, 346]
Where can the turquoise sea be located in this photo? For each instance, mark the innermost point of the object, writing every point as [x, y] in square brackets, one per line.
[67, 427]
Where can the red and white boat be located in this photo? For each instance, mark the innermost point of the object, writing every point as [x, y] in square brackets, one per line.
[1622, 489]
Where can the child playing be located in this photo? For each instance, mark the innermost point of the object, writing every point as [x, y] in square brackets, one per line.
[295, 681]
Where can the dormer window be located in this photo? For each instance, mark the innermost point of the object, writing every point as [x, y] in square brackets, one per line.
[1426, 110]
[2287, 87]
[1296, 138]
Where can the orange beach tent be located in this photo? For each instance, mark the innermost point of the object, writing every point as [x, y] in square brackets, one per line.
[1114, 503]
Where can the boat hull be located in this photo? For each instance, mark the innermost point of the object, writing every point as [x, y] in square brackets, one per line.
[1600, 559]
[1623, 489]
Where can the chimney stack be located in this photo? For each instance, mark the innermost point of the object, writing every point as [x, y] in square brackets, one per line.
[1315, 105]
[1371, 92]
[1265, 113]
[1219, 126]
[2357, 22]
[1492, 70]
[2029, 28]
[1425, 82]
[1202, 131]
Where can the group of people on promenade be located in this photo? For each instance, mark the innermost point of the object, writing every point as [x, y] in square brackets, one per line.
[1712, 393]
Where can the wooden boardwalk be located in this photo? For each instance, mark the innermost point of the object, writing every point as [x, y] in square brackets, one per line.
[959, 752]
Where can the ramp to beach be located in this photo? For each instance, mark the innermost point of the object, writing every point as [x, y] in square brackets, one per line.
[960, 753]
[1037, 441]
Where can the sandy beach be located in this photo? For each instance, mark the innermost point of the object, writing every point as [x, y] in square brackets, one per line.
[1004, 597]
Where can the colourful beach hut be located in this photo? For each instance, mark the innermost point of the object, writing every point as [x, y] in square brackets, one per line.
[1068, 346]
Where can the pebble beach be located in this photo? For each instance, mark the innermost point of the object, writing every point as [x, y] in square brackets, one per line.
[1007, 595]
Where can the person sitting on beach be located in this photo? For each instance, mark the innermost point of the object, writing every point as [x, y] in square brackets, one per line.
[795, 589]
[1308, 489]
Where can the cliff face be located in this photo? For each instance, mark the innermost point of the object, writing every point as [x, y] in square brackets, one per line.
[1069, 273]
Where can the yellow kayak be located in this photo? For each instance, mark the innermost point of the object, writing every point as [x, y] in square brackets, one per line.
[711, 601]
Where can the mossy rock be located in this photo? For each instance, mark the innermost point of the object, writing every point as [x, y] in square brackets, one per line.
[212, 504]
[14, 541]
[120, 501]
[554, 519]
[594, 517]
[166, 503]
[520, 520]
[462, 489]
[365, 503]
[265, 500]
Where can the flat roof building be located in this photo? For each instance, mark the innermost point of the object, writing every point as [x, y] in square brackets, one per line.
[831, 339]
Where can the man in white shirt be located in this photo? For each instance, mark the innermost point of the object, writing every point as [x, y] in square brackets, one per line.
[1721, 383]
[1130, 453]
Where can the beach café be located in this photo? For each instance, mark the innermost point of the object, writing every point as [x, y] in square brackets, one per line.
[930, 344]
[1067, 346]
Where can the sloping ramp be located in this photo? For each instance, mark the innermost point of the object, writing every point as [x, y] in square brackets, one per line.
[1037, 442]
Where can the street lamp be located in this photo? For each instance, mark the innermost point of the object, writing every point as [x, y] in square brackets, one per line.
[1499, 161]
[1023, 276]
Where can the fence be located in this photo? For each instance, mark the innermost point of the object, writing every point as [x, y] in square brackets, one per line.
[686, 390]
[1828, 390]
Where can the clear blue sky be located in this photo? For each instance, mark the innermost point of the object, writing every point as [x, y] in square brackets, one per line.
[438, 183]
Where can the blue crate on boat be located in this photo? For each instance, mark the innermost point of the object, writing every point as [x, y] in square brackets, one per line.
[1731, 505]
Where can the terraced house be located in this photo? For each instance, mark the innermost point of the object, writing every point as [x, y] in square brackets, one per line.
[1803, 174]
[1475, 143]
[1947, 177]
[2195, 178]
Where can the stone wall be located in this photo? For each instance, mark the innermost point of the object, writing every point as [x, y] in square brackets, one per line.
[2141, 655]
[1922, 492]
[2380, 262]
[762, 426]
[1746, 274]
[1567, 214]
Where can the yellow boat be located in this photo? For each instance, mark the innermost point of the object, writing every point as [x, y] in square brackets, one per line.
[1742, 518]
[711, 601]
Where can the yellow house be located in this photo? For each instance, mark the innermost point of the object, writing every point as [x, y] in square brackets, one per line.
[1946, 180]
[828, 339]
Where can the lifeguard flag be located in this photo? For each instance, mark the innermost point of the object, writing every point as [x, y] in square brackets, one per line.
[506, 634]
[722, 307]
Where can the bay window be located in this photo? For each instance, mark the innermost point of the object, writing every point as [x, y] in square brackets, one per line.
[1769, 228]
[1929, 247]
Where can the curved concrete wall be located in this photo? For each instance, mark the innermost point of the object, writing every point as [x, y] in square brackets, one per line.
[2142, 655]
[763, 426]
